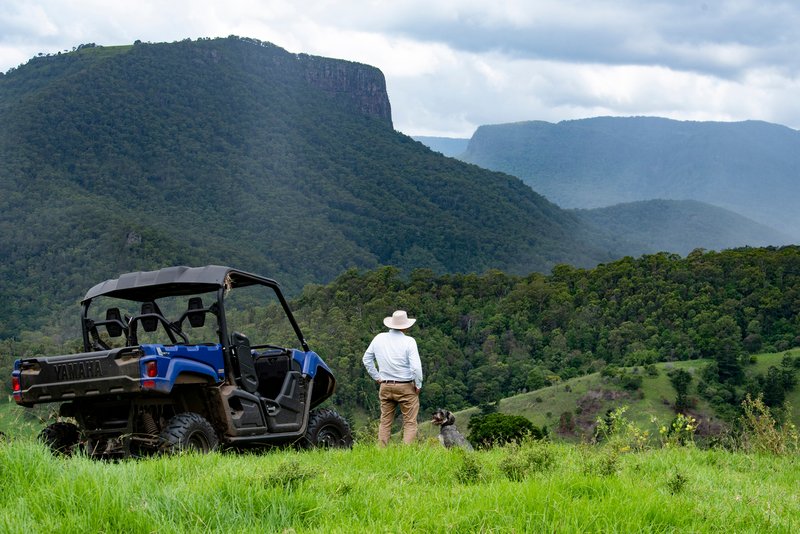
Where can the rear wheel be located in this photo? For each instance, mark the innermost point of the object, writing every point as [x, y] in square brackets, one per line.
[328, 429]
[61, 437]
[189, 431]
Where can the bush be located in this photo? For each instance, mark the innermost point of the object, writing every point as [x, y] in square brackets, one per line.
[521, 461]
[470, 471]
[677, 482]
[499, 428]
[604, 464]
[762, 433]
[620, 433]
[630, 382]
[610, 371]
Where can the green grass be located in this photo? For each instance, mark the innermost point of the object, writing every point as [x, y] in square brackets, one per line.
[419, 488]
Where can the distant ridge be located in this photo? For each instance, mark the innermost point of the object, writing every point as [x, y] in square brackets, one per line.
[679, 226]
[749, 167]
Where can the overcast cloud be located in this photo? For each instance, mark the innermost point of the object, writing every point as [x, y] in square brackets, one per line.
[452, 65]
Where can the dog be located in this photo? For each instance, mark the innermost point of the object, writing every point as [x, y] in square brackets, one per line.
[449, 436]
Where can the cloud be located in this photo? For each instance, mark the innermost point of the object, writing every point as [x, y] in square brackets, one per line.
[720, 37]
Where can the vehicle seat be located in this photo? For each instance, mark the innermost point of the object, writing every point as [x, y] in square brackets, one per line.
[272, 368]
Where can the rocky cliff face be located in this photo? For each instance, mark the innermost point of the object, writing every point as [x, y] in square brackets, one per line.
[363, 85]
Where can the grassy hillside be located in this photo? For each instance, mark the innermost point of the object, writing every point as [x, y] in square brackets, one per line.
[747, 167]
[421, 488]
[588, 397]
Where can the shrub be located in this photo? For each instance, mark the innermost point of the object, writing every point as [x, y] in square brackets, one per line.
[680, 432]
[620, 433]
[499, 428]
[630, 382]
[610, 371]
[521, 461]
[603, 464]
[761, 433]
[677, 482]
[470, 470]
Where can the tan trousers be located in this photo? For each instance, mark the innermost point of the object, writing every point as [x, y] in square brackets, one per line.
[404, 395]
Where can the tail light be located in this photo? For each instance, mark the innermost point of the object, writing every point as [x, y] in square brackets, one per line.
[150, 371]
[15, 387]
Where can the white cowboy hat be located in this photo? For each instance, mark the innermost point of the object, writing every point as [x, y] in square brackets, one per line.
[399, 321]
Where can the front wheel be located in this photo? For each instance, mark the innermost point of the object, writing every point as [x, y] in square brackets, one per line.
[189, 431]
[328, 429]
[61, 437]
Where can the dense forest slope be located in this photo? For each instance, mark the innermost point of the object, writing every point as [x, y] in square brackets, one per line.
[650, 226]
[237, 152]
[748, 167]
[484, 337]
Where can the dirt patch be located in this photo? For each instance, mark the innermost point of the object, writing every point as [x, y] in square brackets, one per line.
[588, 408]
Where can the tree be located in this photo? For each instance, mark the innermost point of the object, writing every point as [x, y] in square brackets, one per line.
[499, 428]
[724, 344]
[680, 380]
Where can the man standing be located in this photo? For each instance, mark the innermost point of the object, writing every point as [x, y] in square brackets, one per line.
[399, 374]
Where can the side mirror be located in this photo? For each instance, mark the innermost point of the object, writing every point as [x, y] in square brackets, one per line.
[113, 322]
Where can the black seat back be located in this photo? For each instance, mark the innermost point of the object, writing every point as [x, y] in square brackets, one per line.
[248, 378]
[113, 322]
[149, 324]
[196, 313]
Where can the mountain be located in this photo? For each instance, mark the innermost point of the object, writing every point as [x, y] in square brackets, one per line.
[235, 151]
[650, 226]
[449, 146]
[748, 167]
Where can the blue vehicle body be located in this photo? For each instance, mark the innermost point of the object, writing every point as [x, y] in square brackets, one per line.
[207, 360]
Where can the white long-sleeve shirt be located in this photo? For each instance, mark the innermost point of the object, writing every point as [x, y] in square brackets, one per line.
[397, 358]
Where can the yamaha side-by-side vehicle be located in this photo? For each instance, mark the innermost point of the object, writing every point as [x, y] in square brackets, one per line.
[184, 358]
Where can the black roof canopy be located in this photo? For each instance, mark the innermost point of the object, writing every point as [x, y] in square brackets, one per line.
[144, 286]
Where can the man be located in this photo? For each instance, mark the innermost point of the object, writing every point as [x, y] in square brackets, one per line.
[399, 374]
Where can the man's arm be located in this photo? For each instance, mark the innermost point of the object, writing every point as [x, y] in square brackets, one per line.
[415, 363]
[369, 363]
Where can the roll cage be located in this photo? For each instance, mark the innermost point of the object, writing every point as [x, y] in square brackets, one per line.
[146, 287]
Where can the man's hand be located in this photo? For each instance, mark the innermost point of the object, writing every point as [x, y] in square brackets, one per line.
[417, 390]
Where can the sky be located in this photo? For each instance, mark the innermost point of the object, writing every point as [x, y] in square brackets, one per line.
[451, 65]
